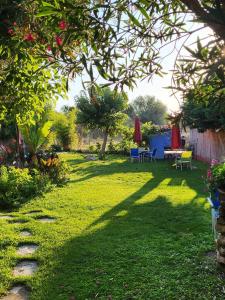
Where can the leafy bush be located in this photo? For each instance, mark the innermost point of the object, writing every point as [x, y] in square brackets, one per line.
[123, 147]
[17, 185]
[56, 148]
[56, 169]
[98, 147]
[112, 147]
[92, 149]
[218, 175]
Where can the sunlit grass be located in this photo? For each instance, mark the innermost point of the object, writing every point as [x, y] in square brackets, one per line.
[122, 231]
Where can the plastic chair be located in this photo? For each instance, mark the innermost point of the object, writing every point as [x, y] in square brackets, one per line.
[184, 159]
[151, 155]
[134, 154]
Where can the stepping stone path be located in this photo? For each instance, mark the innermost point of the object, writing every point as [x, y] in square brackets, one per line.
[25, 249]
[24, 267]
[18, 292]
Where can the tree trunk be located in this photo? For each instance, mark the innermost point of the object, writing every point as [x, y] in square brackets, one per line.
[18, 158]
[217, 25]
[102, 152]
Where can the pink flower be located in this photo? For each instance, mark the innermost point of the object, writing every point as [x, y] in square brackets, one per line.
[49, 48]
[58, 40]
[29, 37]
[50, 59]
[14, 24]
[214, 162]
[209, 174]
[62, 25]
[10, 31]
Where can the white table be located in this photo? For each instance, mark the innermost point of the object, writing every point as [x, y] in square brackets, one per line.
[173, 152]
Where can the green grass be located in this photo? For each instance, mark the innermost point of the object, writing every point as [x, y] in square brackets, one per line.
[123, 231]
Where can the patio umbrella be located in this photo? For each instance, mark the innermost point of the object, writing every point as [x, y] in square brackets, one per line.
[137, 131]
[175, 138]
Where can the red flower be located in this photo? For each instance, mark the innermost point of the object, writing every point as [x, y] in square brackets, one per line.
[58, 40]
[62, 25]
[49, 48]
[10, 31]
[209, 174]
[29, 37]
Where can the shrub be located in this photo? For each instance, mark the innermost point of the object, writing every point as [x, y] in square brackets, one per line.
[56, 148]
[56, 169]
[112, 147]
[92, 149]
[17, 185]
[218, 175]
[98, 147]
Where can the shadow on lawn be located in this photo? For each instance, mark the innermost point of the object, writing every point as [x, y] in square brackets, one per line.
[139, 249]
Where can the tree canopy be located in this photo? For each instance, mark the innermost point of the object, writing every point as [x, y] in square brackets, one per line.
[105, 113]
[118, 40]
[148, 109]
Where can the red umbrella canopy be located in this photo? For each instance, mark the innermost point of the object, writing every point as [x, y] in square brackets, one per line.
[137, 131]
[175, 138]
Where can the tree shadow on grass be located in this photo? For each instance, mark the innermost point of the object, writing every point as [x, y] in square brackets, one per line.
[148, 251]
[151, 250]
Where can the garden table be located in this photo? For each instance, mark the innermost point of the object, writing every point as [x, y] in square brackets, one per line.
[173, 153]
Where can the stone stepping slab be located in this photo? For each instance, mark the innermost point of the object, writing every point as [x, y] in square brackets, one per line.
[26, 248]
[32, 212]
[6, 217]
[18, 221]
[25, 233]
[25, 268]
[46, 219]
[18, 292]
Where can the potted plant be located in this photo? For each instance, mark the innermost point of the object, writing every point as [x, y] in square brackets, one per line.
[211, 183]
[218, 184]
[218, 174]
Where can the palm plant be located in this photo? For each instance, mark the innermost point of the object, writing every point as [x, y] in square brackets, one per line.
[36, 135]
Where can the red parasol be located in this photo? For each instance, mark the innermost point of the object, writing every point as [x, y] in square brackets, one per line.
[175, 138]
[137, 131]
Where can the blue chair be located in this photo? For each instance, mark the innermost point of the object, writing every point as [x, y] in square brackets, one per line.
[134, 154]
[151, 155]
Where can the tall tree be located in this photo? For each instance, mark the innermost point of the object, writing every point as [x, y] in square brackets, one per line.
[149, 109]
[105, 113]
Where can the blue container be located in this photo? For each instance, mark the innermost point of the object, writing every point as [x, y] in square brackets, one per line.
[160, 141]
[215, 199]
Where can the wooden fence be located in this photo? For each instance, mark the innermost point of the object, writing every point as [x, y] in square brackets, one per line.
[208, 145]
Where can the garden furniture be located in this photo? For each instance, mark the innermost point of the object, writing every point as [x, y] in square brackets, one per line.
[173, 153]
[135, 155]
[150, 155]
[184, 159]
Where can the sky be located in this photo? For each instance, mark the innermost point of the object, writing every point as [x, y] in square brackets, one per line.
[156, 87]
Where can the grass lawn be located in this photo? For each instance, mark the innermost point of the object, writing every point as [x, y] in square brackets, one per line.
[122, 231]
